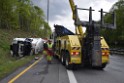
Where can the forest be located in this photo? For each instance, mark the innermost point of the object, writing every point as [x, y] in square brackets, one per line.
[115, 37]
[23, 15]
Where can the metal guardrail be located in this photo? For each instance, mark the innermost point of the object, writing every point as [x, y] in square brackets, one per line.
[118, 51]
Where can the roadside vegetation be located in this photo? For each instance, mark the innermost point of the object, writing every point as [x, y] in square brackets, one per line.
[19, 18]
[7, 62]
[115, 37]
[24, 15]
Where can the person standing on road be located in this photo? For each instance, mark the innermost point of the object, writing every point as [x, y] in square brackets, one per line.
[45, 47]
[48, 50]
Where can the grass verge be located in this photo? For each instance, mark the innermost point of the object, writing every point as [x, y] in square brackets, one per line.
[13, 64]
[7, 63]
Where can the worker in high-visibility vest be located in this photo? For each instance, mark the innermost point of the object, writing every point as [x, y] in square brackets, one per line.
[49, 51]
[45, 47]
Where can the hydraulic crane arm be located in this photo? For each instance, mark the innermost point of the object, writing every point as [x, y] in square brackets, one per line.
[72, 8]
[76, 19]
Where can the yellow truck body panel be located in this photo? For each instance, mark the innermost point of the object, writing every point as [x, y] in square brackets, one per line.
[105, 51]
[72, 45]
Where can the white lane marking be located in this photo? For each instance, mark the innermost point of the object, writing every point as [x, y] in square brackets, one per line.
[71, 76]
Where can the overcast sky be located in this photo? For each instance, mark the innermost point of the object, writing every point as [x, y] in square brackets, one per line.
[60, 11]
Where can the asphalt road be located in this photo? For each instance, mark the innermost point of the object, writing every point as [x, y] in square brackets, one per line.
[57, 73]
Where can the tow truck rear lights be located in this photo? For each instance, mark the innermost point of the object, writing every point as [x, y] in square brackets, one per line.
[74, 53]
[105, 53]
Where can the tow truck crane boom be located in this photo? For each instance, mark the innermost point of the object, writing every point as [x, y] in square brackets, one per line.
[76, 19]
[91, 49]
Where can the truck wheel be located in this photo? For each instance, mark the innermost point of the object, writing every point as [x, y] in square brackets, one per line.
[68, 66]
[62, 58]
[103, 65]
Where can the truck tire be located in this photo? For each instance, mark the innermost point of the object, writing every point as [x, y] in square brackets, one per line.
[67, 65]
[62, 58]
[103, 66]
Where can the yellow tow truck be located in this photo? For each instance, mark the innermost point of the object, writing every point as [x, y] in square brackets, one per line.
[76, 48]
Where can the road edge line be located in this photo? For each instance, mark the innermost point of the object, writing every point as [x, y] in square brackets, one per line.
[24, 71]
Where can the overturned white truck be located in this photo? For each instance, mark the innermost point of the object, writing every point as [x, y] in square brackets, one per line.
[26, 46]
[37, 45]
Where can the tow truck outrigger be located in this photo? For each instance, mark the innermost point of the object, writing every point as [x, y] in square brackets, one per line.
[90, 49]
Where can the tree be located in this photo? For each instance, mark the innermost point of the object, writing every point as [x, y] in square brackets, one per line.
[7, 14]
[118, 34]
[22, 14]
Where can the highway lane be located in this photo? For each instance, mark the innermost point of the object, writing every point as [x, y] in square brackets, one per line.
[45, 73]
[56, 73]
[41, 73]
[113, 73]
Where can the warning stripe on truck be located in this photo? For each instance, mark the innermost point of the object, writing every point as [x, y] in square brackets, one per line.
[75, 48]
